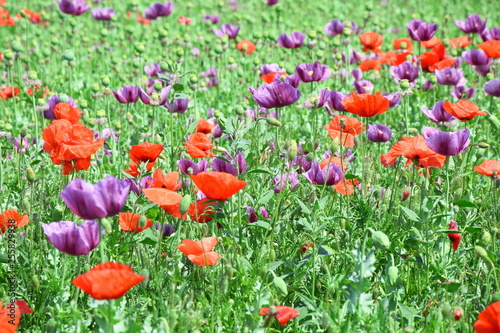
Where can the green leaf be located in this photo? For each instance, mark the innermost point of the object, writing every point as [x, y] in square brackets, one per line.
[163, 77]
[465, 203]
[261, 224]
[325, 251]
[259, 171]
[264, 199]
[408, 312]
[473, 229]
[350, 176]
[178, 87]
[411, 214]
[280, 285]
[303, 207]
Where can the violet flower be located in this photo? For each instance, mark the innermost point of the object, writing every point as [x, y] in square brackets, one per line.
[104, 199]
[492, 87]
[363, 86]
[334, 28]
[221, 165]
[166, 229]
[155, 99]
[334, 102]
[447, 144]
[330, 175]
[357, 74]
[179, 105]
[270, 68]
[450, 77]
[75, 7]
[461, 92]
[394, 98]
[227, 29]
[103, 14]
[282, 180]
[295, 40]
[438, 114]
[277, 94]
[421, 31]
[478, 60]
[472, 25]
[73, 239]
[490, 34]
[272, 2]
[313, 72]
[379, 133]
[158, 10]
[214, 19]
[293, 80]
[127, 94]
[153, 70]
[188, 167]
[405, 71]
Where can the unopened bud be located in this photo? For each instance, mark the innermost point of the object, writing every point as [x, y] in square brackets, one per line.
[412, 131]
[105, 80]
[273, 121]
[68, 55]
[481, 253]
[185, 203]
[17, 47]
[140, 48]
[30, 175]
[494, 121]
[380, 240]
[486, 238]
[8, 55]
[292, 152]
[393, 274]
[446, 309]
[193, 78]
[458, 313]
[106, 225]
[35, 281]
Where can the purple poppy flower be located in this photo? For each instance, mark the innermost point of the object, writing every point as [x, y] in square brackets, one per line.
[405, 71]
[155, 99]
[252, 217]
[318, 101]
[438, 114]
[357, 74]
[379, 133]
[158, 10]
[334, 28]
[103, 14]
[153, 70]
[293, 80]
[104, 199]
[270, 68]
[394, 98]
[472, 25]
[179, 105]
[188, 167]
[75, 7]
[334, 102]
[53, 101]
[447, 144]
[73, 239]
[214, 19]
[363, 86]
[301, 162]
[313, 72]
[476, 57]
[127, 94]
[330, 175]
[490, 34]
[143, 184]
[227, 29]
[492, 87]
[355, 57]
[166, 229]
[461, 92]
[282, 180]
[277, 94]
[220, 165]
[272, 2]
[421, 31]
[450, 77]
[295, 40]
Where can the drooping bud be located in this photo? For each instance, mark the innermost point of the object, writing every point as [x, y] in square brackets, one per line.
[30, 175]
[107, 225]
[185, 203]
[380, 240]
[393, 274]
[273, 121]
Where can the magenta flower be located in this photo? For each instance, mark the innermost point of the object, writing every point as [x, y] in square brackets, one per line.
[450, 77]
[421, 31]
[330, 175]
[103, 14]
[492, 87]
[75, 7]
[295, 40]
[438, 114]
[188, 167]
[334, 28]
[214, 19]
[127, 94]
[159, 99]
[312, 72]
[447, 144]
[472, 25]
[166, 229]
[53, 101]
[461, 92]
[104, 199]
[379, 133]
[158, 10]
[272, 2]
[405, 71]
[227, 29]
[282, 180]
[179, 105]
[490, 34]
[73, 239]
[334, 102]
[277, 94]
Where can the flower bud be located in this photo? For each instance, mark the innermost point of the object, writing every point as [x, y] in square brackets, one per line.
[292, 152]
[273, 121]
[30, 175]
[106, 225]
[101, 113]
[193, 78]
[457, 314]
[481, 253]
[380, 240]
[35, 281]
[393, 274]
[17, 47]
[8, 55]
[185, 203]
[490, 76]
[494, 121]
[404, 84]
[483, 145]
[486, 238]
[446, 309]
[68, 55]
[105, 80]
[139, 48]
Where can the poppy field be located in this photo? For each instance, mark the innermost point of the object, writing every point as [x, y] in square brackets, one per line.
[249, 166]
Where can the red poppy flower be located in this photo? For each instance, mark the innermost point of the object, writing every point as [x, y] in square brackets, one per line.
[133, 170]
[460, 42]
[23, 307]
[393, 58]
[335, 160]
[204, 126]
[146, 152]
[270, 77]
[463, 110]
[130, 222]
[405, 195]
[346, 186]
[68, 112]
[109, 280]
[39, 92]
[142, 20]
[488, 168]
[246, 46]
[201, 210]
[9, 318]
[169, 200]
[184, 20]
[217, 185]
[200, 253]
[283, 313]
[343, 129]
[12, 215]
[6, 92]
[408, 44]
[5, 18]
[416, 151]
[370, 64]
[371, 41]
[170, 181]
[488, 322]
[431, 43]
[436, 59]
[455, 238]
[491, 48]
[366, 105]
[199, 145]
[304, 248]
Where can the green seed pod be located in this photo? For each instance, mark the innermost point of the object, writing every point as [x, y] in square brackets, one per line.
[272, 255]
[139, 48]
[446, 310]
[185, 203]
[17, 47]
[35, 281]
[68, 55]
[193, 78]
[104, 32]
[101, 113]
[273, 121]
[8, 55]
[490, 76]
[218, 49]
[393, 274]
[404, 84]
[486, 238]
[433, 79]
[380, 240]
[105, 80]
[106, 224]
[483, 145]
[292, 152]
[30, 175]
